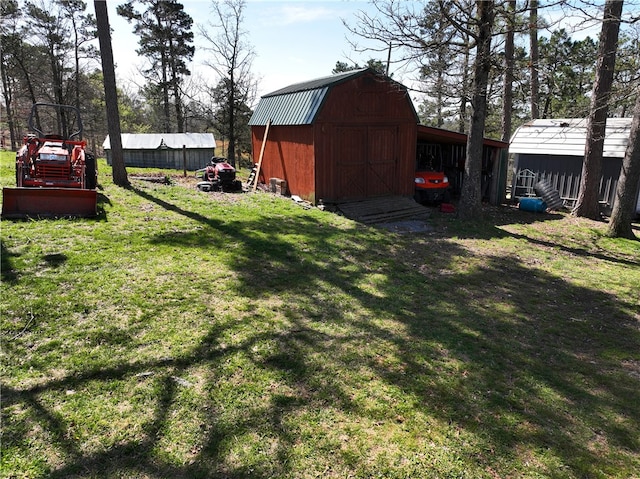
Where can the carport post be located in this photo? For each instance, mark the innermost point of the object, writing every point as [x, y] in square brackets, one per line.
[184, 160]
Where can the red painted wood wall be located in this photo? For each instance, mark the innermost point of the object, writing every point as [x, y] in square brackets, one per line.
[289, 155]
[361, 144]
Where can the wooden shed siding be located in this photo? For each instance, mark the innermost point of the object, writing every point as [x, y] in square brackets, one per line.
[341, 156]
[365, 141]
[368, 99]
[361, 143]
[289, 154]
[360, 160]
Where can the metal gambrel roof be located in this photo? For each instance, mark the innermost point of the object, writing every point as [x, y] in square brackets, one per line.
[298, 104]
[298, 108]
[317, 83]
[154, 141]
[567, 137]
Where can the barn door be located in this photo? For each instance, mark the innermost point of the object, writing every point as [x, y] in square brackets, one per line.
[350, 158]
[365, 159]
[381, 161]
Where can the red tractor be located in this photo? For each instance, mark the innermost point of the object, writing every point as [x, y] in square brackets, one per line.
[55, 175]
[218, 175]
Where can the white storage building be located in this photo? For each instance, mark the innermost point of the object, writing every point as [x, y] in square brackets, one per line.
[553, 150]
[165, 150]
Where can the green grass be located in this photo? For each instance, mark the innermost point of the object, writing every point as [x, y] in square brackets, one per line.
[183, 335]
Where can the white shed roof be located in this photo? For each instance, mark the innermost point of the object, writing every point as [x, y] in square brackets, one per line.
[153, 141]
[568, 137]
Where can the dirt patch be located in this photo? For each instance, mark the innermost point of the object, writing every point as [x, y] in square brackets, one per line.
[409, 226]
[632, 367]
[191, 182]
[188, 181]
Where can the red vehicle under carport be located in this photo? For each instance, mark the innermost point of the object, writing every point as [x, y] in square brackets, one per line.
[431, 183]
[445, 154]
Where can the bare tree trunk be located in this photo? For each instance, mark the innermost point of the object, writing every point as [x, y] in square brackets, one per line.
[507, 93]
[587, 204]
[166, 106]
[471, 194]
[440, 88]
[177, 95]
[627, 191]
[119, 172]
[7, 89]
[534, 58]
[177, 102]
[76, 57]
[180, 120]
[464, 94]
[231, 152]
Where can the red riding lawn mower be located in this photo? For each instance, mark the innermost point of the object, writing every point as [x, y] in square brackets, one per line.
[218, 175]
[55, 176]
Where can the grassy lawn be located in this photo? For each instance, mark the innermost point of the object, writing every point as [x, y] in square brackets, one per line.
[207, 335]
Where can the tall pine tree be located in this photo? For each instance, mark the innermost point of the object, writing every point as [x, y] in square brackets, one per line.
[166, 40]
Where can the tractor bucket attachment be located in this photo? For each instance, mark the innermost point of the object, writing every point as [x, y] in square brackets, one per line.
[48, 202]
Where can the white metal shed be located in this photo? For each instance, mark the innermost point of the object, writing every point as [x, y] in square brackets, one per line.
[165, 150]
[553, 150]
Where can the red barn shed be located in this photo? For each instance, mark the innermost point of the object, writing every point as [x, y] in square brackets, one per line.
[347, 136]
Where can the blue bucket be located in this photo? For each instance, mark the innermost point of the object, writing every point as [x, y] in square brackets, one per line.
[535, 205]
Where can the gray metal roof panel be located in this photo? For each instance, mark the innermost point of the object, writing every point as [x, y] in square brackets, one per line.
[295, 108]
[152, 141]
[317, 83]
[298, 104]
[568, 136]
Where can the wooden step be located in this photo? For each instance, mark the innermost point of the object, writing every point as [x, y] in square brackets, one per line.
[383, 209]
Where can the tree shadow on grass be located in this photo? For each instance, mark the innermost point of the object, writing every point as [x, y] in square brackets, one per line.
[101, 207]
[373, 331]
[580, 251]
[547, 375]
[9, 273]
[496, 215]
[504, 215]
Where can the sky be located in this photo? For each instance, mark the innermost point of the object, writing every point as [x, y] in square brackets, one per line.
[294, 41]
